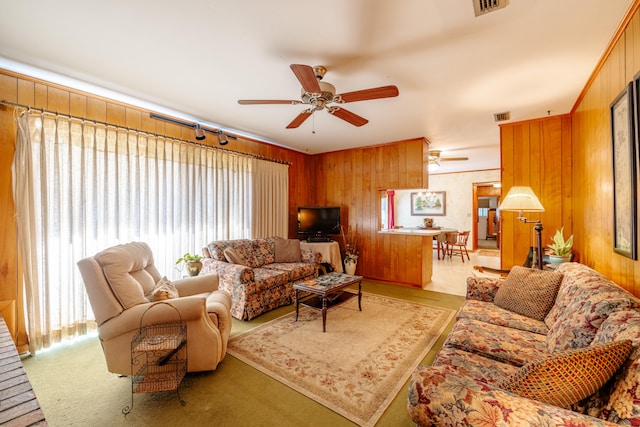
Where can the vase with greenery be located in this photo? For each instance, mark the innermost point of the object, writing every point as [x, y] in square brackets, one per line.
[191, 262]
[351, 247]
[561, 248]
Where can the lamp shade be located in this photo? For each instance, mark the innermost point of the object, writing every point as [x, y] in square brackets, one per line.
[521, 199]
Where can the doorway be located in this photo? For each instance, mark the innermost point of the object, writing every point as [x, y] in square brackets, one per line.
[486, 216]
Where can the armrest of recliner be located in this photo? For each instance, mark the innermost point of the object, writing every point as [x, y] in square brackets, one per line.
[444, 397]
[188, 308]
[197, 284]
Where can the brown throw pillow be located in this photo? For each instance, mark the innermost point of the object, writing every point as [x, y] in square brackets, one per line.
[567, 377]
[234, 257]
[164, 289]
[287, 250]
[529, 292]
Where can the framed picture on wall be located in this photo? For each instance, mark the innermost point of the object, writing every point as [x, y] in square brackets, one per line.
[623, 137]
[429, 203]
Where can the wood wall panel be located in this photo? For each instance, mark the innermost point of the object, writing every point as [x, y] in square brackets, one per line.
[536, 153]
[592, 189]
[355, 180]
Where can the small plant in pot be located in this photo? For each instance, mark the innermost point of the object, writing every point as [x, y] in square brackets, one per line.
[191, 262]
[561, 248]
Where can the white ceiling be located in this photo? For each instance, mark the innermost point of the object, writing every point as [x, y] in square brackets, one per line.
[196, 58]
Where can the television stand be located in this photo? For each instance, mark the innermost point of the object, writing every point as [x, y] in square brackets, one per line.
[318, 239]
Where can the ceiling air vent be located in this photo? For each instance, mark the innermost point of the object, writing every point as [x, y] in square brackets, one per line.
[482, 7]
[501, 117]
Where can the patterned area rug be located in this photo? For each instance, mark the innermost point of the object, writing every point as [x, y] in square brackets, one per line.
[355, 368]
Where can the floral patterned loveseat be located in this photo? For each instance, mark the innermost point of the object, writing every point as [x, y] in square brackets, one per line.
[259, 273]
[572, 358]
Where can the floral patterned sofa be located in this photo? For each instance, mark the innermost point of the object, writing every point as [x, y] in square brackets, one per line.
[259, 273]
[536, 349]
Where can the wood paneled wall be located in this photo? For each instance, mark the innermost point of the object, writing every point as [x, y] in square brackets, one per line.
[567, 161]
[356, 180]
[592, 191]
[39, 94]
[536, 153]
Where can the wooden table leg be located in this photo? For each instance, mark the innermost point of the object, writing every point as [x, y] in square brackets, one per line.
[359, 296]
[324, 314]
[296, 298]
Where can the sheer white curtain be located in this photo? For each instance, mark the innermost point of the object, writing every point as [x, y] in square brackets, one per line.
[81, 187]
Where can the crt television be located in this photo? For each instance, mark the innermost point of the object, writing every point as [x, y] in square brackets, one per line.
[318, 221]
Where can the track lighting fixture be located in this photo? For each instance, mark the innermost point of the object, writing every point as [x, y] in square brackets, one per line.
[201, 132]
[200, 135]
[222, 138]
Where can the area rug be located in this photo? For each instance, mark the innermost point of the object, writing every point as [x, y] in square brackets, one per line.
[489, 252]
[355, 368]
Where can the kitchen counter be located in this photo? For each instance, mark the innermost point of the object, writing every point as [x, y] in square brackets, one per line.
[426, 246]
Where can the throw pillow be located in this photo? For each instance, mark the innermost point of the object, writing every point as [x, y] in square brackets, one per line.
[529, 292]
[165, 289]
[567, 377]
[234, 257]
[288, 250]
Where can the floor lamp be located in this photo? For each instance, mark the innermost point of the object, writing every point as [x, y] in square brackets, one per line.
[523, 199]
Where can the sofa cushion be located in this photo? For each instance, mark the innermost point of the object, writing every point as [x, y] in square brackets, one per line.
[264, 250]
[501, 343]
[578, 325]
[165, 289]
[296, 270]
[474, 365]
[490, 313]
[578, 283]
[287, 250]
[567, 377]
[235, 257]
[247, 251]
[529, 292]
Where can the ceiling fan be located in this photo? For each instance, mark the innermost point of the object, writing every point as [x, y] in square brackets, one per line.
[435, 158]
[318, 95]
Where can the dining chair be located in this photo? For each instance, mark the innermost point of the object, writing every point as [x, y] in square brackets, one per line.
[451, 237]
[440, 244]
[460, 242]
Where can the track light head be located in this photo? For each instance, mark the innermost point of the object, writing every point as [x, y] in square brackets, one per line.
[200, 135]
[222, 139]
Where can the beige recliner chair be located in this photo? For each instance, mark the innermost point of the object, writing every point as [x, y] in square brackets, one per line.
[119, 281]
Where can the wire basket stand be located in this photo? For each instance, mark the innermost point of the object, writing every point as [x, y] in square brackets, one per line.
[158, 356]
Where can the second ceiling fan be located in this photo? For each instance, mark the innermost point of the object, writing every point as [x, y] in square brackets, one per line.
[318, 95]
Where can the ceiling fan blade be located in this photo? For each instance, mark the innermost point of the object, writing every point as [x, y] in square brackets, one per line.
[300, 119]
[307, 78]
[348, 116]
[449, 159]
[374, 93]
[268, 101]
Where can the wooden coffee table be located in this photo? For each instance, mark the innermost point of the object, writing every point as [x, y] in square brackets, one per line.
[328, 290]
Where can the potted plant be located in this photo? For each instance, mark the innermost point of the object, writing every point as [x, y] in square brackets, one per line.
[561, 248]
[350, 250]
[191, 262]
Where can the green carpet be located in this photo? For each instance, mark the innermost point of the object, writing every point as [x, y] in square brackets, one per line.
[74, 387]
